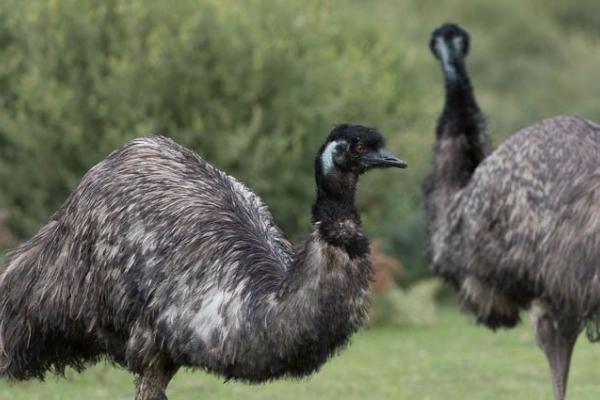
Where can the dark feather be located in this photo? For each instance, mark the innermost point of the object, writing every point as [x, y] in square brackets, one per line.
[521, 223]
[158, 260]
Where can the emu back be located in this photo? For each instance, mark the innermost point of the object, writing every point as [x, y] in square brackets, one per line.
[517, 228]
[502, 241]
[144, 238]
[158, 260]
[154, 249]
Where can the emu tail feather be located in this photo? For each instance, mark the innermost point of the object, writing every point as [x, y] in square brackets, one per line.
[20, 352]
[33, 311]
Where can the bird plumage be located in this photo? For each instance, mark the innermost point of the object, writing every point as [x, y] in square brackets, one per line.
[517, 228]
[506, 225]
[159, 260]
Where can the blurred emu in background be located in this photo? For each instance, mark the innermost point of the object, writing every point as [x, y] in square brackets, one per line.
[518, 228]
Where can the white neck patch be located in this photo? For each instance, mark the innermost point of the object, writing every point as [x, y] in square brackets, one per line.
[445, 56]
[327, 156]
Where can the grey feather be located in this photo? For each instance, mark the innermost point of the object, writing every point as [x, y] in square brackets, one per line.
[158, 260]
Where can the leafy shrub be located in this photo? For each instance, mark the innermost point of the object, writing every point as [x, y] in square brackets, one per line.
[390, 304]
[7, 239]
[386, 269]
[414, 306]
[255, 86]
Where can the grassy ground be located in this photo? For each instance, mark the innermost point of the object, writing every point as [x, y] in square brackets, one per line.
[453, 360]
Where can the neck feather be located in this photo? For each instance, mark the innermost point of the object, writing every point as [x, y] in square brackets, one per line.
[462, 143]
[329, 277]
[323, 302]
[461, 115]
[335, 216]
[309, 311]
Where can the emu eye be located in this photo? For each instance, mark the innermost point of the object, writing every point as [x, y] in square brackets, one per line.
[360, 149]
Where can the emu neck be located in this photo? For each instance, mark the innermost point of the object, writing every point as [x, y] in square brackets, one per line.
[335, 198]
[299, 309]
[461, 115]
[462, 143]
[335, 216]
[459, 93]
[324, 298]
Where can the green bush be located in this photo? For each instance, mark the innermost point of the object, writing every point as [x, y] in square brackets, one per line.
[255, 86]
[414, 306]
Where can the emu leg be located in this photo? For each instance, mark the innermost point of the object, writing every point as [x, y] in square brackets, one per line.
[556, 341]
[152, 383]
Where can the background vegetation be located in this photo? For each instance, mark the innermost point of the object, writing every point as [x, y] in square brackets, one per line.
[254, 87]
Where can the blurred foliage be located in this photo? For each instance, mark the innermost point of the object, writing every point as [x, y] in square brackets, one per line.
[386, 269]
[416, 305]
[7, 239]
[413, 306]
[393, 305]
[255, 86]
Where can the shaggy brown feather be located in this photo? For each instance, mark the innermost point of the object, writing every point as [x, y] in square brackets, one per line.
[518, 228]
[158, 260]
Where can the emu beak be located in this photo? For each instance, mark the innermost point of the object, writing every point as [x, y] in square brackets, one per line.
[382, 159]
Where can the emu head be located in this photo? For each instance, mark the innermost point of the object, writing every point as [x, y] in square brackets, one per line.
[449, 42]
[353, 150]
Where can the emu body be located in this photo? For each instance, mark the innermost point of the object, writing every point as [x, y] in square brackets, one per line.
[517, 228]
[158, 260]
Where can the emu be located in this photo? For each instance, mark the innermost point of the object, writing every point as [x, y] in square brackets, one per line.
[159, 260]
[517, 228]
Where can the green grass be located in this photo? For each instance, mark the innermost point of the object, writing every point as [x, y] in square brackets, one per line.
[452, 360]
